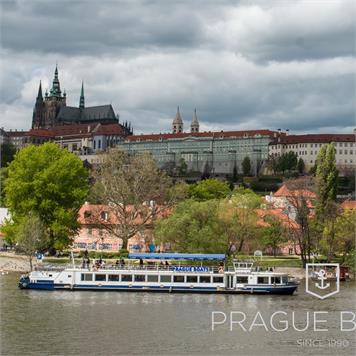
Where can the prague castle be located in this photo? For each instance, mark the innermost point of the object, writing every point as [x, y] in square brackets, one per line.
[52, 110]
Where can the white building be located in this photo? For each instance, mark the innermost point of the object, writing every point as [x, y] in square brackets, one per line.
[307, 147]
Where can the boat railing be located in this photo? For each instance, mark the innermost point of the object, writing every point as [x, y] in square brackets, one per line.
[136, 267]
[153, 267]
[53, 268]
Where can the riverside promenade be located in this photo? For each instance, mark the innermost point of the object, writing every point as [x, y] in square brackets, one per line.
[11, 262]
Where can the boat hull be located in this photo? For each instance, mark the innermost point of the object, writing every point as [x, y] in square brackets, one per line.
[289, 290]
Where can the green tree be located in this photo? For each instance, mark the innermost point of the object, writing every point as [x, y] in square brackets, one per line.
[241, 207]
[135, 190]
[7, 154]
[246, 166]
[3, 176]
[301, 219]
[326, 178]
[327, 210]
[345, 230]
[209, 189]
[300, 165]
[206, 171]
[234, 174]
[274, 234]
[212, 225]
[53, 184]
[192, 227]
[286, 162]
[31, 236]
[239, 228]
[182, 167]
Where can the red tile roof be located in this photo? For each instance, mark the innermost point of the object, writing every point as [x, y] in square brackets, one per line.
[216, 134]
[314, 138]
[81, 130]
[110, 129]
[277, 213]
[41, 133]
[284, 191]
[91, 214]
[349, 204]
[16, 133]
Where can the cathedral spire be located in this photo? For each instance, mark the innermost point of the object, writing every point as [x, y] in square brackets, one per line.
[55, 90]
[81, 100]
[39, 95]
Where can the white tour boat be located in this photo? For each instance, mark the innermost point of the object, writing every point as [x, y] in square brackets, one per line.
[242, 277]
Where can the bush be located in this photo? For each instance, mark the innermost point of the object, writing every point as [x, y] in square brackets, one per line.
[291, 174]
[271, 179]
[103, 255]
[249, 180]
[264, 186]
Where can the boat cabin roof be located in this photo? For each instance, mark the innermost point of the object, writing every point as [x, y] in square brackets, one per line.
[178, 256]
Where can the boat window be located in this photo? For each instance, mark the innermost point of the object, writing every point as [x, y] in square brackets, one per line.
[86, 277]
[218, 279]
[178, 279]
[241, 279]
[204, 279]
[152, 278]
[165, 279]
[275, 280]
[262, 280]
[126, 278]
[192, 279]
[69, 275]
[140, 278]
[100, 277]
[114, 277]
[285, 279]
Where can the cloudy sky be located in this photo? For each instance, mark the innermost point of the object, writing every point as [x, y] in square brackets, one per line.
[242, 64]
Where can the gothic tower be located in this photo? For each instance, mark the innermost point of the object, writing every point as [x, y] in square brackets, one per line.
[81, 100]
[38, 110]
[53, 102]
[177, 124]
[194, 126]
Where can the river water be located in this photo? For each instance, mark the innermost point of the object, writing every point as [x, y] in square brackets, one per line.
[114, 323]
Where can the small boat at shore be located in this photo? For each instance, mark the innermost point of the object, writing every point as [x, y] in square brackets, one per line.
[242, 277]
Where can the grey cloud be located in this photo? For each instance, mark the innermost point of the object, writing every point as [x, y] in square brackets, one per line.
[242, 65]
[116, 27]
